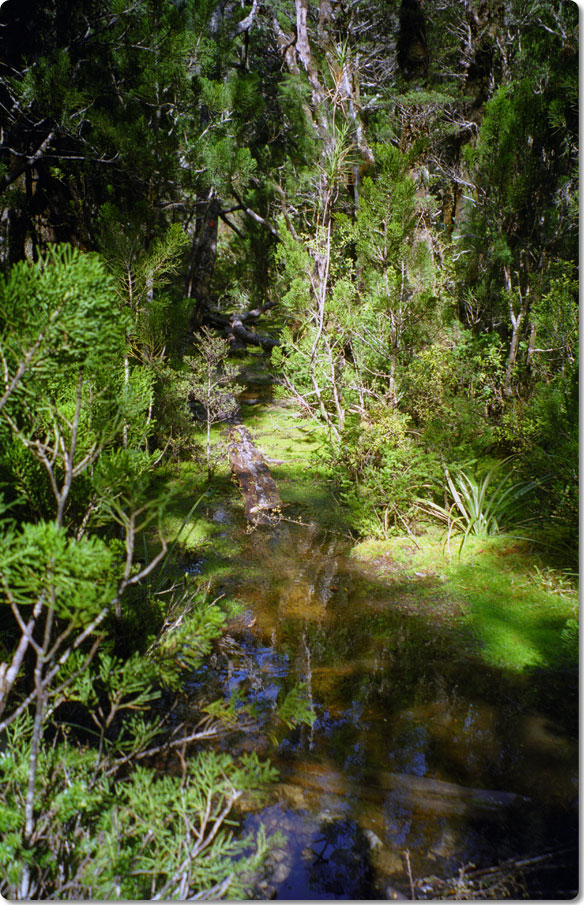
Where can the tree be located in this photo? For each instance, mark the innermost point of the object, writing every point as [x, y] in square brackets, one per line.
[58, 584]
[75, 715]
[206, 384]
[519, 222]
[75, 135]
[395, 262]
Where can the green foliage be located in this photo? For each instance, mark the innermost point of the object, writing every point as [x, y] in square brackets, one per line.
[387, 198]
[76, 722]
[512, 134]
[136, 836]
[172, 427]
[62, 306]
[571, 640]
[26, 477]
[399, 312]
[293, 95]
[294, 708]
[137, 270]
[544, 432]
[483, 505]
[41, 560]
[62, 339]
[191, 624]
[124, 481]
[210, 383]
[517, 232]
[124, 126]
[555, 317]
[452, 388]
[381, 472]
[49, 84]
[361, 295]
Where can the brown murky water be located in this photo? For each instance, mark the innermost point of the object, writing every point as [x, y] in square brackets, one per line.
[417, 747]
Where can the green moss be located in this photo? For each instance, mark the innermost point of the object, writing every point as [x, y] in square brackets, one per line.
[521, 613]
[193, 535]
[291, 445]
[519, 621]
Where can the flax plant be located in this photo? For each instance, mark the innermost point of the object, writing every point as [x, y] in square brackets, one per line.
[483, 506]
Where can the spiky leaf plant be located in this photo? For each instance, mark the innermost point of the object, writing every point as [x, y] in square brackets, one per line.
[482, 506]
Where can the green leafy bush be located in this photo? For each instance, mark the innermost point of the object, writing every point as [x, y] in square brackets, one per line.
[381, 471]
[101, 835]
[81, 816]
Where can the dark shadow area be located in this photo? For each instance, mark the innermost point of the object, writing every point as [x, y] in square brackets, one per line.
[325, 860]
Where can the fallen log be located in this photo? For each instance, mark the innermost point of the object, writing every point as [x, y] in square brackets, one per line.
[233, 326]
[260, 494]
[417, 793]
[247, 336]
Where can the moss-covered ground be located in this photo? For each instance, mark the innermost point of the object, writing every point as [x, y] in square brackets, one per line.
[214, 529]
[291, 445]
[522, 612]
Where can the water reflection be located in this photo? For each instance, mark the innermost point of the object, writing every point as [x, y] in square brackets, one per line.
[329, 859]
[417, 745]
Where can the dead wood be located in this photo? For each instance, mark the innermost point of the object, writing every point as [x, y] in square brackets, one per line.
[497, 881]
[258, 488]
[234, 326]
[251, 338]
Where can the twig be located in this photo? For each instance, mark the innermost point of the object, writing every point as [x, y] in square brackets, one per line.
[411, 879]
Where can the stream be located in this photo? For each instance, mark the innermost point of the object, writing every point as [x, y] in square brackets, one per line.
[422, 759]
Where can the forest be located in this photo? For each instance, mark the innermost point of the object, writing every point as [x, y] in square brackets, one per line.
[374, 205]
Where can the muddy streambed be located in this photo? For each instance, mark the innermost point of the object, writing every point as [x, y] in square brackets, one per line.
[420, 752]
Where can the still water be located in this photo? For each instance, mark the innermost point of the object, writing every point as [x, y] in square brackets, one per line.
[422, 758]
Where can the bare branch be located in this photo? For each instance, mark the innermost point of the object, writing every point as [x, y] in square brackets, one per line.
[9, 178]
[246, 23]
[255, 216]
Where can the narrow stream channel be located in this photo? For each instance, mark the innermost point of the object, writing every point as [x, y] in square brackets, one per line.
[417, 747]
[422, 758]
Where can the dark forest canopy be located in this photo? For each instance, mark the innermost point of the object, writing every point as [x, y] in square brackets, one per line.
[241, 123]
[388, 189]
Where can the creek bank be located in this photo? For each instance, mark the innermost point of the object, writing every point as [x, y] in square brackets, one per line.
[515, 609]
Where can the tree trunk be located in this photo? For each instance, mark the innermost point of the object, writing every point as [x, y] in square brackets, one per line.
[203, 258]
[516, 329]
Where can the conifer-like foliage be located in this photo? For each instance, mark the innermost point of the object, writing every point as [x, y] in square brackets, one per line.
[210, 384]
[80, 818]
[396, 184]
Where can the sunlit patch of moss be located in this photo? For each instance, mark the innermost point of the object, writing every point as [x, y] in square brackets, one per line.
[414, 554]
[192, 536]
[517, 619]
[291, 445]
[522, 613]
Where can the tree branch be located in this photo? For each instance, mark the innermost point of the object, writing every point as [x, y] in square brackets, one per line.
[9, 178]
